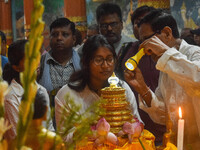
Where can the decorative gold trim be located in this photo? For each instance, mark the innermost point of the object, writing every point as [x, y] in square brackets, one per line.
[78, 19]
[27, 26]
[81, 28]
[156, 4]
[8, 33]
[80, 22]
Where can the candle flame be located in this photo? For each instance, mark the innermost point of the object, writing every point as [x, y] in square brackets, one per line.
[180, 112]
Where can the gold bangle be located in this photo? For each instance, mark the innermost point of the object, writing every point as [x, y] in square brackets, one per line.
[145, 94]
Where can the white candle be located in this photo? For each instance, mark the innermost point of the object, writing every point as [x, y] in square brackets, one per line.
[180, 131]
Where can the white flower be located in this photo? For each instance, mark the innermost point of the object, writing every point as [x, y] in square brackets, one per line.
[4, 126]
[25, 148]
[4, 90]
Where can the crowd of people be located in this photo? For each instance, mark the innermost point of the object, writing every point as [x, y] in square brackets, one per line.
[167, 77]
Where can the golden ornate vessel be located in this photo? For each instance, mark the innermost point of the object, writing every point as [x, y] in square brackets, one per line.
[117, 110]
[116, 113]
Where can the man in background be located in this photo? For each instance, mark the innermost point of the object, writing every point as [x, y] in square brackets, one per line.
[57, 65]
[109, 19]
[196, 34]
[4, 59]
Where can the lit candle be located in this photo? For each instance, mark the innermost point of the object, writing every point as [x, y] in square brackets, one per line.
[180, 131]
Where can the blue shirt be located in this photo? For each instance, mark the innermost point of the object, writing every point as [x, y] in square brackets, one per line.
[4, 60]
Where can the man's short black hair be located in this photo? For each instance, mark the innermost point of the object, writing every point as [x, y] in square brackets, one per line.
[40, 104]
[196, 31]
[107, 9]
[3, 36]
[140, 11]
[62, 22]
[158, 19]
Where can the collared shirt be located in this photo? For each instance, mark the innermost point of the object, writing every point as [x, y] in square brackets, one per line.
[59, 74]
[179, 85]
[12, 103]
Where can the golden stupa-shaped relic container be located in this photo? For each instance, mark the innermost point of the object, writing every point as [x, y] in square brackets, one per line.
[117, 109]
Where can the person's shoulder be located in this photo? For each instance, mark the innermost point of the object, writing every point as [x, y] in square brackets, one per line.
[42, 88]
[189, 49]
[15, 93]
[126, 38]
[4, 58]
[122, 83]
[63, 91]
[76, 52]
[43, 56]
[16, 88]
[80, 50]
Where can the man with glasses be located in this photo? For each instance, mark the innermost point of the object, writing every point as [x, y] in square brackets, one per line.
[147, 67]
[109, 19]
[179, 80]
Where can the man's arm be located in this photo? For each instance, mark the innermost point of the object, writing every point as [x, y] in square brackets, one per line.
[182, 68]
[150, 102]
[136, 80]
[11, 115]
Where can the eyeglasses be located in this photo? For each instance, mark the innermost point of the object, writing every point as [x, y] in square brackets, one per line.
[148, 37]
[100, 60]
[105, 25]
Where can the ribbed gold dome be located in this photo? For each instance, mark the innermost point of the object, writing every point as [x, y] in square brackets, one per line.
[117, 110]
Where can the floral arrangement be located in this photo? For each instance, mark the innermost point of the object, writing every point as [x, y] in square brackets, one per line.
[79, 124]
[102, 134]
[133, 130]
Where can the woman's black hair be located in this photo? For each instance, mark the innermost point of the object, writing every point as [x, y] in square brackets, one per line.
[80, 79]
[15, 55]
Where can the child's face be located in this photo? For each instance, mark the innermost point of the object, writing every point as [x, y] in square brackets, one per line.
[20, 67]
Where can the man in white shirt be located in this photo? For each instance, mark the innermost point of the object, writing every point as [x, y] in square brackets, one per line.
[179, 80]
